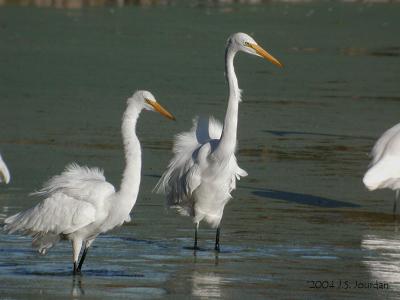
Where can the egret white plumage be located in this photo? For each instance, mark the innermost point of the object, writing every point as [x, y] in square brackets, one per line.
[4, 173]
[80, 204]
[384, 170]
[202, 174]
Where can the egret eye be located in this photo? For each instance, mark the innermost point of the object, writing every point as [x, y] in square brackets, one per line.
[247, 44]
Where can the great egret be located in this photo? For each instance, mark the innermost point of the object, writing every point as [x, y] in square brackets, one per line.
[4, 173]
[200, 177]
[80, 203]
[384, 171]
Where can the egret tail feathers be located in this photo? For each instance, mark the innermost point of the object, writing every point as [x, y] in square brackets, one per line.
[43, 242]
[185, 144]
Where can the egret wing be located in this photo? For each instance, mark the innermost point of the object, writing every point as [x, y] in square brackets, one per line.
[57, 214]
[80, 183]
[382, 145]
[73, 197]
[182, 175]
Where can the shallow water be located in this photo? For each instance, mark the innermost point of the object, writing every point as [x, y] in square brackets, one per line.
[305, 131]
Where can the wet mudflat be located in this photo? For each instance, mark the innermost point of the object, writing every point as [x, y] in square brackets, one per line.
[301, 225]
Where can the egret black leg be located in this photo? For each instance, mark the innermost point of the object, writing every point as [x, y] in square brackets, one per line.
[196, 227]
[76, 271]
[217, 240]
[85, 251]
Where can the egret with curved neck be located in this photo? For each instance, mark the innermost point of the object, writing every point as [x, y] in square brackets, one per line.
[80, 204]
[203, 171]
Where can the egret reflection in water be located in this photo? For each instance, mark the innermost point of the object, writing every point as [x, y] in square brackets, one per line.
[382, 258]
[206, 284]
[77, 289]
[62, 70]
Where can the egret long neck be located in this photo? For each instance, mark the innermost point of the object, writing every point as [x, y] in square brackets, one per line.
[227, 142]
[133, 156]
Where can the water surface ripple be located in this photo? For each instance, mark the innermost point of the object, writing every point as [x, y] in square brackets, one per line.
[305, 131]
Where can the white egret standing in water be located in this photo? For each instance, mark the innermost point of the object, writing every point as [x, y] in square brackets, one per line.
[80, 203]
[4, 173]
[384, 169]
[203, 172]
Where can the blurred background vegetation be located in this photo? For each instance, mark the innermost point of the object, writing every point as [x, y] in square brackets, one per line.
[76, 4]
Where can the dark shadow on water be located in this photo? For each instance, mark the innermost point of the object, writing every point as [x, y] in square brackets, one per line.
[381, 98]
[195, 249]
[303, 199]
[85, 273]
[139, 241]
[158, 244]
[393, 51]
[57, 273]
[142, 241]
[223, 250]
[109, 273]
[387, 51]
[283, 133]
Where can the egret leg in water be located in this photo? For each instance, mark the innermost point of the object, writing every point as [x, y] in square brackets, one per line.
[196, 228]
[85, 251]
[75, 271]
[217, 239]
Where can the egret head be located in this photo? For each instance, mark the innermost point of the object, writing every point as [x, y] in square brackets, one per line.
[243, 42]
[149, 102]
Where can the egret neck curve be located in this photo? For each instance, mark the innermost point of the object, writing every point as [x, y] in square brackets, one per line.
[130, 182]
[227, 142]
